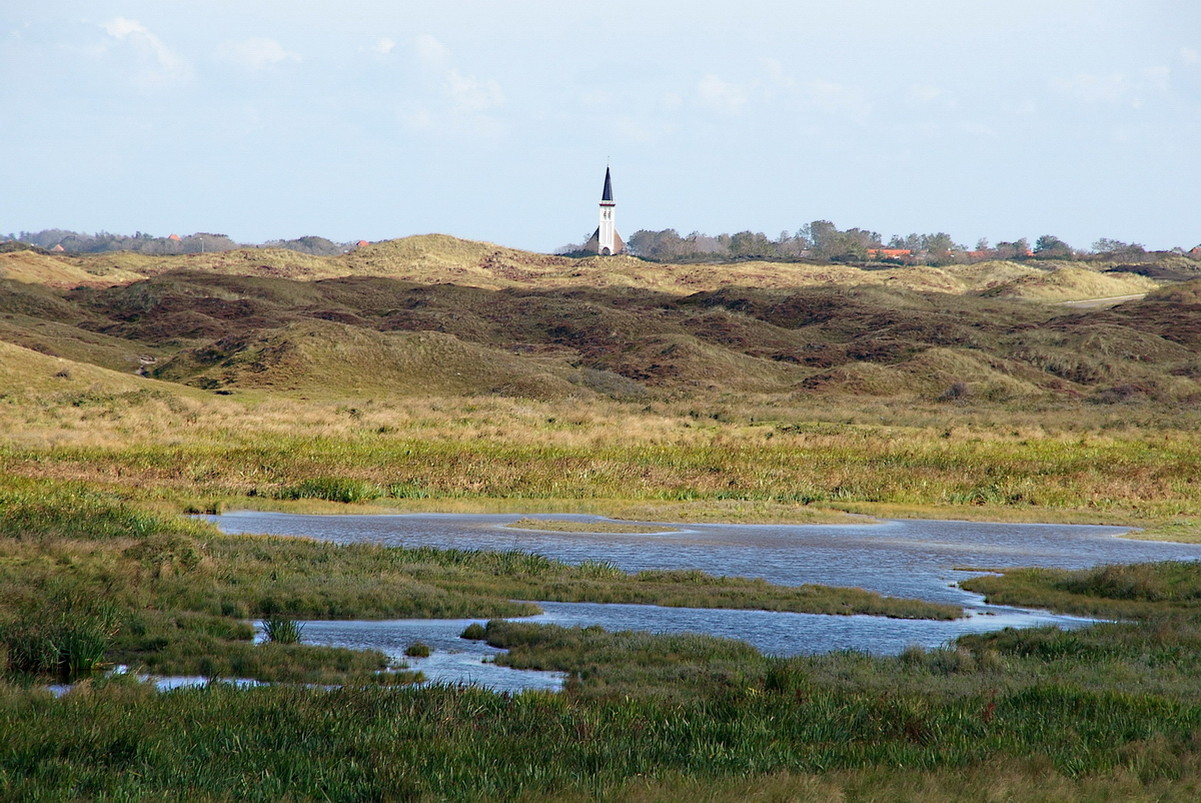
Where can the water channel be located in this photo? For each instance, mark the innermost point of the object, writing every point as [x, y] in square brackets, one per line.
[911, 558]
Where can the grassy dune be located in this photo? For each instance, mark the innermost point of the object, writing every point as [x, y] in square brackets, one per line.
[440, 258]
[435, 315]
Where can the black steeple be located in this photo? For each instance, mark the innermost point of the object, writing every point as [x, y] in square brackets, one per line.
[607, 194]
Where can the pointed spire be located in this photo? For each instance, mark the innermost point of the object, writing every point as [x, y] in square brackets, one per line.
[607, 194]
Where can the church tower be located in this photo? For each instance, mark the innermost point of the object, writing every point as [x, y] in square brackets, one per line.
[606, 241]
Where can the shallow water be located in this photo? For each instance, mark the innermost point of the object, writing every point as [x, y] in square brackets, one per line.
[163, 683]
[919, 559]
[451, 660]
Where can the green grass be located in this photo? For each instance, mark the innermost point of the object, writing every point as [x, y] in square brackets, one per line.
[331, 489]
[418, 649]
[1138, 476]
[643, 715]
[1136, 591]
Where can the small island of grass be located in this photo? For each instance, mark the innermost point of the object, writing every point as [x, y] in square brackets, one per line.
[568, 526]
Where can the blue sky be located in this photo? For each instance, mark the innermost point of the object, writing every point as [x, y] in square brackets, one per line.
[494, 120]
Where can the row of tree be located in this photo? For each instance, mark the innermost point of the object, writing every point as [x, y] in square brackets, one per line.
[821, 240]
[140, 242]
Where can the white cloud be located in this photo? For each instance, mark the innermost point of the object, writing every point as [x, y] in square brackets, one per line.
[465, 99]
[417, 119]
[256, 53]
[160, 65]
[1118, 88]
[776, 75]
[720, 95]
[473, 94]
[636, 130]
[596, 97]
[835, 98]
[1158, 78]
[384, 46]
[977, 129]
[433, 54]
[1112, 88]
[924, 94]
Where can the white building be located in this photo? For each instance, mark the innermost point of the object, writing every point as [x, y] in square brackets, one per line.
[606, 241]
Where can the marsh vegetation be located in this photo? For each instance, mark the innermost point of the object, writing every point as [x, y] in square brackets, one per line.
[1114, 708]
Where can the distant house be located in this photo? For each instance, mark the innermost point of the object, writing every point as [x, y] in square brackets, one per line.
[889, 253]
[58, 249]
[175, 237]
[362, 244]
[1195, 252]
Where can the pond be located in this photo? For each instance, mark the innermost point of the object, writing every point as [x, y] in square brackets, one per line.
[910, 558]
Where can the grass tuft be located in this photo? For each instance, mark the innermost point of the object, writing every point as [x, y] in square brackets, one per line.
[280, 630]
[474, 632]
[418, 649]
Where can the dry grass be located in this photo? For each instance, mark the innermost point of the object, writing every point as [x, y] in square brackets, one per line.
[59, 271]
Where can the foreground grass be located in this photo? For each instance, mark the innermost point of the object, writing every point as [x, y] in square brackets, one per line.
[644, 717]
[1113, 707]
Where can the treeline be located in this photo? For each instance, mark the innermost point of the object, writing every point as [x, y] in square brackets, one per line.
[143, 243]
[821, 240]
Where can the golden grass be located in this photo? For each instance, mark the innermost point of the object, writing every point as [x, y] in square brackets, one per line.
[43, 378]
[340, 361]
[59, 271]
[1068, 281]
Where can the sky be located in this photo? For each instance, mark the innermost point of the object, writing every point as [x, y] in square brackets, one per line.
[494, 120]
